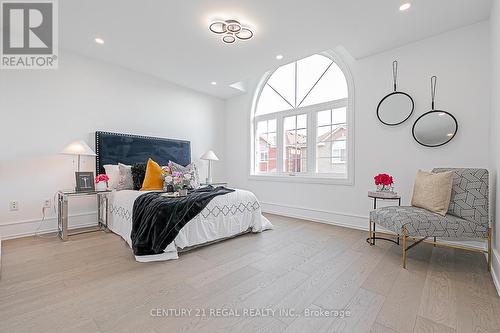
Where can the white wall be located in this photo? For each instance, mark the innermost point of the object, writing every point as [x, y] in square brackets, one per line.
[459, 58]
[42, 111]
[495, 127]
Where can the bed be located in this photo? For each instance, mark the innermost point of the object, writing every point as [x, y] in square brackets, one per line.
[225, 216]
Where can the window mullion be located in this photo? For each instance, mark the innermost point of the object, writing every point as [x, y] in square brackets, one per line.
[279, 144]
[311, 142]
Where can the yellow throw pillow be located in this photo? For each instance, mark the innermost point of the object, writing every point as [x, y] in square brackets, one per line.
[152, 179]
[432, 191]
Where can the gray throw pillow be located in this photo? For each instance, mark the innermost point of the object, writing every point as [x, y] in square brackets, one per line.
[125, 181]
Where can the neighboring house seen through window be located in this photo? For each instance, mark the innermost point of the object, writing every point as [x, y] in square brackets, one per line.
[301, 121]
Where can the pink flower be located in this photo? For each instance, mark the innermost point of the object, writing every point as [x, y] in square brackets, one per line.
[383, 179]
[101, 178]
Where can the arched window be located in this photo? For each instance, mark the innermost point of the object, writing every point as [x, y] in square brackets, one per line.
[301, 121]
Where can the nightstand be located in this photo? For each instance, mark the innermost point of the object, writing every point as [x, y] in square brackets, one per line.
[62, 212]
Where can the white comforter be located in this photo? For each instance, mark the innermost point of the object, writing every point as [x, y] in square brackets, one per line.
[225, 216]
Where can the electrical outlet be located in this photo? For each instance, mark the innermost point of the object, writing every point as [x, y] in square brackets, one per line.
[14, 205]
[47, 203]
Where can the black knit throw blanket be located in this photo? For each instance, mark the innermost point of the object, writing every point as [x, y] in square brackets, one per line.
[157, 220]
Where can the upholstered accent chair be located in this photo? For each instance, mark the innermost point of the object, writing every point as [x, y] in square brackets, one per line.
[467, 216]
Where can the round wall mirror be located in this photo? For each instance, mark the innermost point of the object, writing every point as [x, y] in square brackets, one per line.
[395, 108]
[435, 128]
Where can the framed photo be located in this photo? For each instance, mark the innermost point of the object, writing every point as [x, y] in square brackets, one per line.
[84, 181]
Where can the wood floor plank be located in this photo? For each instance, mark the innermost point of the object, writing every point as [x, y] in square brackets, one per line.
[219, 271]
[316, 285]
[311, 323]
[400, 308]
[439, 299]
[381, 278]
[475, 315]
[473, 276]
[343, 288]
[378, 328]
[424, 325]
[362, 309]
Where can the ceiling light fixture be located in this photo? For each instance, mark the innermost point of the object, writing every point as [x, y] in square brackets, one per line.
[213, 83]
[279, 57]
[405, 6]
[231, 30]
[99, 40]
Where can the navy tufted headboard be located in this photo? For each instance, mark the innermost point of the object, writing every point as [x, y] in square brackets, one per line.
[114, 148]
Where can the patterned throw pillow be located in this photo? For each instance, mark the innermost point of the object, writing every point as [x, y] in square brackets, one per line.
[138, 174]
[189, 169]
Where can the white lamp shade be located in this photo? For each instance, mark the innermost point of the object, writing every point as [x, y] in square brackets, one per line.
[210, 156]
[78, 147]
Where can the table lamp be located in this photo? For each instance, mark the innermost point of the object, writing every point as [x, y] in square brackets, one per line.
[209, 156]
[79, 148]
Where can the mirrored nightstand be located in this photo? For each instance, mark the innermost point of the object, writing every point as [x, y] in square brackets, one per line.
[62, 212]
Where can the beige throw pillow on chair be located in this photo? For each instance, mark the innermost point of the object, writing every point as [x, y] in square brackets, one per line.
[432, 191]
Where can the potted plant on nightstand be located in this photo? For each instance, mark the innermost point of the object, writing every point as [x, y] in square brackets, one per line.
[384, 182]
[101, 182]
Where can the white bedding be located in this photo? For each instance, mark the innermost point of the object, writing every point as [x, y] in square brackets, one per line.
[225, 216]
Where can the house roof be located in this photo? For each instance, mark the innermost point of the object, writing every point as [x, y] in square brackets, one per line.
[293, 137]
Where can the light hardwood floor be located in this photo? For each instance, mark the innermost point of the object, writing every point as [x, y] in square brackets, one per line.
[93, 284]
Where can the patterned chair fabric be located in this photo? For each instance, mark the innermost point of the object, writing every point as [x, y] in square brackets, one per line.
[420, 222]
[467, 216]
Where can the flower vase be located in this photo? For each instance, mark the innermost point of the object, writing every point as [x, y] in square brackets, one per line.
[101, 186]
[384, 188]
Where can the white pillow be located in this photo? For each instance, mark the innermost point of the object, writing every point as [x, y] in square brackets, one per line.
[126, 181]
[113, 173]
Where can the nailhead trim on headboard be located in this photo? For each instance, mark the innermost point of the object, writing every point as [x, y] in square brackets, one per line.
[98, 141]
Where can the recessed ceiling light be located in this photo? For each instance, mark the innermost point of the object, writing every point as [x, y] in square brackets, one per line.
[279, 57]
[99, 40]
[213, 83]
[405, 6]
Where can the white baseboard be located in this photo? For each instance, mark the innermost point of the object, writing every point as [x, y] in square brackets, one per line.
[315, 215]
[495, 269]
[25, 228]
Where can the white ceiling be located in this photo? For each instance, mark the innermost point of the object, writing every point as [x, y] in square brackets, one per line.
[170, 39]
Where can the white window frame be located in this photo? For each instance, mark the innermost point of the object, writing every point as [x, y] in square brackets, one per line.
[310, 176]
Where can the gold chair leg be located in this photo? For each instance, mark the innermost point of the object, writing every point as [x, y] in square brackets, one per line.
[403, 235]
[489, 249]
[370, 232]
